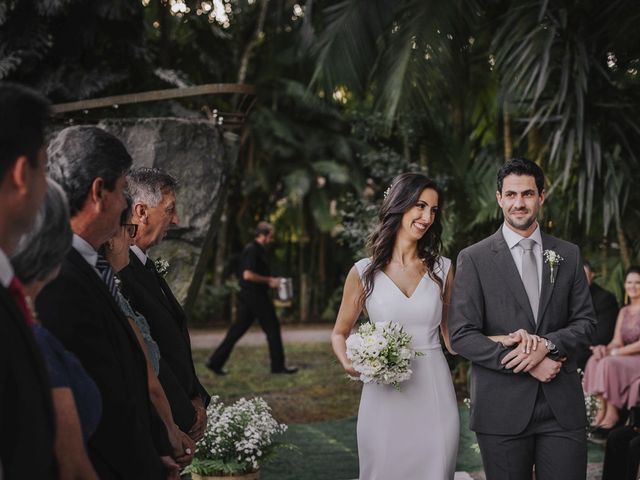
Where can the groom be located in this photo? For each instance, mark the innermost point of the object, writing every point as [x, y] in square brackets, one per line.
[526, 408]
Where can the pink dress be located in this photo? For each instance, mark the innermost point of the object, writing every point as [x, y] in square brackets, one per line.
[617, 378]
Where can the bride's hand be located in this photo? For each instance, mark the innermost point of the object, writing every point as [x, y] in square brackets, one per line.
[352, 372]
[528, 341]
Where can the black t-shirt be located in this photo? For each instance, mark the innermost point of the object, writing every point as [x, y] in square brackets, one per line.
[254, 258]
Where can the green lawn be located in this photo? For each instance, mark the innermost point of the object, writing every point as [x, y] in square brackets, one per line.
[320, 405]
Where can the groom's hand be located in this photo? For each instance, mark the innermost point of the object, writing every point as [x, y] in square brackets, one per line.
[546, 370]
[520, 361]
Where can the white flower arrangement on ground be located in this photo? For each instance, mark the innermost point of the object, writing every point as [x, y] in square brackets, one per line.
[380, 352]
[238, 437]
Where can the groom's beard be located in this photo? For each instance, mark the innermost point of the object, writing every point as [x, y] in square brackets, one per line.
[521, 223]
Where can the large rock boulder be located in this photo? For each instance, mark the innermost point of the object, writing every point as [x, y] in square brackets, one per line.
[193, 151]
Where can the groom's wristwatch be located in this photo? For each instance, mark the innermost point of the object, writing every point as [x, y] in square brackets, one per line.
[554, 353]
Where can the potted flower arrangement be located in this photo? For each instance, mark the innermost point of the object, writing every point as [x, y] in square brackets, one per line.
[238, 438]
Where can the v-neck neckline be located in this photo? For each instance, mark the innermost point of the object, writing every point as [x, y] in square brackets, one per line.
[400, 290]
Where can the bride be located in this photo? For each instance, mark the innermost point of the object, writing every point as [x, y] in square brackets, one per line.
[413, 433]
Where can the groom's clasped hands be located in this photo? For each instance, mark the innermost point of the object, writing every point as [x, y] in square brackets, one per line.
[529, 355]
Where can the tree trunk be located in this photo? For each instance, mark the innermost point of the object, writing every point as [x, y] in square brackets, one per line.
[164, 19]
[622, 241]
[249, 48]
[506, 131]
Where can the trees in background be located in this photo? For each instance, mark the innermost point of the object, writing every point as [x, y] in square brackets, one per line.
[352, 92]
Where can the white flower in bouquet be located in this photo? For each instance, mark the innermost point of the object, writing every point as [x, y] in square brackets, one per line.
[381, 353]
[237, 438]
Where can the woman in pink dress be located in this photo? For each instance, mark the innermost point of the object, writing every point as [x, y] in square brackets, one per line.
[613, 371]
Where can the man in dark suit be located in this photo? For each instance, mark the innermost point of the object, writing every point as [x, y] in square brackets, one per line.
[79, 307]
[154, 211]
[606, 307]
[527, 405]
[26, 419]
[254, 303]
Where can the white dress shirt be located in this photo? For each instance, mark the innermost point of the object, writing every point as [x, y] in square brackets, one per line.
[6, 271]
[139, 253]
[87, 252]
[512, 238]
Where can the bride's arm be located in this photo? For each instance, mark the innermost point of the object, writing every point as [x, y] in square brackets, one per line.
[444, 324]
[350, 309]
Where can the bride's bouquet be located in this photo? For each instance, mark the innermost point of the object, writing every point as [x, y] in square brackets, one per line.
[380, 353]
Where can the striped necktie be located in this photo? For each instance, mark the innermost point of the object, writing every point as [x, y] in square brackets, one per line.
[108, 275]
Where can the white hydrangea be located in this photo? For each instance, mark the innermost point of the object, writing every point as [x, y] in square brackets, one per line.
[243, 432]
[381, 353]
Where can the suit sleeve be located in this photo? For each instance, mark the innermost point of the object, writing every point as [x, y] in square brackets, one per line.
[466, 318]
[581, 324]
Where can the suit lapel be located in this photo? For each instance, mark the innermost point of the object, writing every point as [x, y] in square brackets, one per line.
[154, 284]
[92, 276]
[548, 243]
[504, 262]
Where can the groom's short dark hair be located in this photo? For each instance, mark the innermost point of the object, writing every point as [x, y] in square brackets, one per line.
[521, 166]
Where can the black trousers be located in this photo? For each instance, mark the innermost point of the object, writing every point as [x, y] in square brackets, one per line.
[556, 453]
[252, 306]
[622, 455]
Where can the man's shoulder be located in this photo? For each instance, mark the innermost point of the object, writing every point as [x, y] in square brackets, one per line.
[479, 248]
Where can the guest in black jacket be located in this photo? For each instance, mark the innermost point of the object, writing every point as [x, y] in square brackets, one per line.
[26, 420]
[79, 307]
[154, 211]
[606, 307]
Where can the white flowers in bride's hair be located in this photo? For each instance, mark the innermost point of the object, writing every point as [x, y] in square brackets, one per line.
[381, 353]
[553, 258]
[386, 192]
[162, 266]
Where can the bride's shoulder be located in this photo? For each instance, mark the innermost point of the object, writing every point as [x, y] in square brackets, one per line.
[442, 266]
[362, 264]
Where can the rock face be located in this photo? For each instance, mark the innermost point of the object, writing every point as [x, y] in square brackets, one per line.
[193, 151]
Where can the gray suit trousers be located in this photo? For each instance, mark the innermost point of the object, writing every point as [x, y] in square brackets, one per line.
[558, 454]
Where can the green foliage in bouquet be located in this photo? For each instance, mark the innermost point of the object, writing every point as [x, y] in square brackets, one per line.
[238, 438]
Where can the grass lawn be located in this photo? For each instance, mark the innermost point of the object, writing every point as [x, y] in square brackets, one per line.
[320, 406]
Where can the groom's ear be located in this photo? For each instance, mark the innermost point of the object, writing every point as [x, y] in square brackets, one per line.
[498, 196]
[542, 196]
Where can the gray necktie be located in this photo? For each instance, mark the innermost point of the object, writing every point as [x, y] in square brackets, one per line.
[530, 274]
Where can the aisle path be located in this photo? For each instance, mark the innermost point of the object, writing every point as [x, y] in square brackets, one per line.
[313, 333]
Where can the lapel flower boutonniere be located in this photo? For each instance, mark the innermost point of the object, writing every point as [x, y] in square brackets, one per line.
[553, 258]
[162, 266]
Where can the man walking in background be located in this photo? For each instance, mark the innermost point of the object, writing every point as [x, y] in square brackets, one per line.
[254, 302]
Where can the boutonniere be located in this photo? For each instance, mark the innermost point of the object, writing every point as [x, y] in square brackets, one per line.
[553, 258]
[162, 266]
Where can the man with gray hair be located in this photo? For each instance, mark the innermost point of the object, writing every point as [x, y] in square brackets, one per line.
[26, 420]
[154, 211]
[80, 308]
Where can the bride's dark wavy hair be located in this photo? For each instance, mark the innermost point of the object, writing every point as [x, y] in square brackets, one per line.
[403, 194]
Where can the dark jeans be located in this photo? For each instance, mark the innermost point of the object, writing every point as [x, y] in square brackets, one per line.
[252, 306]
[556, 453]
[622, 454]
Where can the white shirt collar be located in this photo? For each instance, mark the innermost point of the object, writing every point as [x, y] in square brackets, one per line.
[85, 249]
[139, 253]
[6, 270]
[512, 238]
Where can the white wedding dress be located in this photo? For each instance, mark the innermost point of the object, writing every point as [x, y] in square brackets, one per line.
[411, 434]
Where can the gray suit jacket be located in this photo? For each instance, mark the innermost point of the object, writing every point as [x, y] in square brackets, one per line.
[489, 299]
